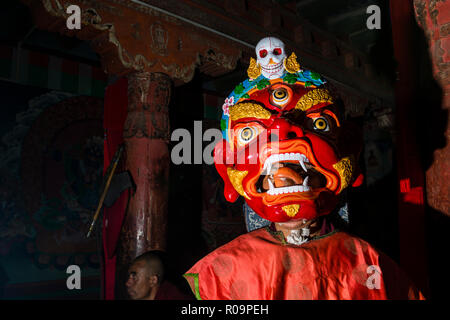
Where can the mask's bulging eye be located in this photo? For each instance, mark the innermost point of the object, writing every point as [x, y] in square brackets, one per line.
[247, 134]
[263, 53]
[321, 124]
[280, 96]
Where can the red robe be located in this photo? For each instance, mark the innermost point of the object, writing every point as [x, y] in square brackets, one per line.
[260, 265]
[168, 291]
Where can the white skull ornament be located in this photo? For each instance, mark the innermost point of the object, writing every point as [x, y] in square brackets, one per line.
[270, 55]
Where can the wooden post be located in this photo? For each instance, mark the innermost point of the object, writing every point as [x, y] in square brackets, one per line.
[146, 136]
[434, 18]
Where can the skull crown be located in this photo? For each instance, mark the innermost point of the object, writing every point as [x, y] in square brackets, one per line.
[270, 55]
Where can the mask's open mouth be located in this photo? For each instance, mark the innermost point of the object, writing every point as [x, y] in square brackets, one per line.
[289, 173]
[273, 68]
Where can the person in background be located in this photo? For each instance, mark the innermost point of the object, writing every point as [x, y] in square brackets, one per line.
[146, 279]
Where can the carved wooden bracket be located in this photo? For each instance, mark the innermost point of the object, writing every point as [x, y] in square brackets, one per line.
[433, 17]
[129, 37]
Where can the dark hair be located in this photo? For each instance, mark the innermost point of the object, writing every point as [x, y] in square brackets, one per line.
[154, 261]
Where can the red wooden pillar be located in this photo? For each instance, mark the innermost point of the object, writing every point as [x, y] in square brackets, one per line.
[146, 136]
[434, 18]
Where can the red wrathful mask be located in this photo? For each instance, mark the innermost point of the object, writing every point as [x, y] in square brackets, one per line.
[288, 152]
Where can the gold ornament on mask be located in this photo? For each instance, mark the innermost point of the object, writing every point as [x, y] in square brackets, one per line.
[236, 178]
[312, 98]
[254, 69]
[345, 169]
[290, 64]
[291, 209]
[248, 110]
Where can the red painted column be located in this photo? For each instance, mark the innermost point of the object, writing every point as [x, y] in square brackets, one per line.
[434, 17]
[146, 136]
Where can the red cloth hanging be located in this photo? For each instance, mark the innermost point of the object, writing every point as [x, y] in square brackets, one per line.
[115, 111]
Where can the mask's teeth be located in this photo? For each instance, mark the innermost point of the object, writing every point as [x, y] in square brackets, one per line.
[267, 167]
[305, 182]
[271, 186]
[301, 161]
[272, 189]
[264, 170]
